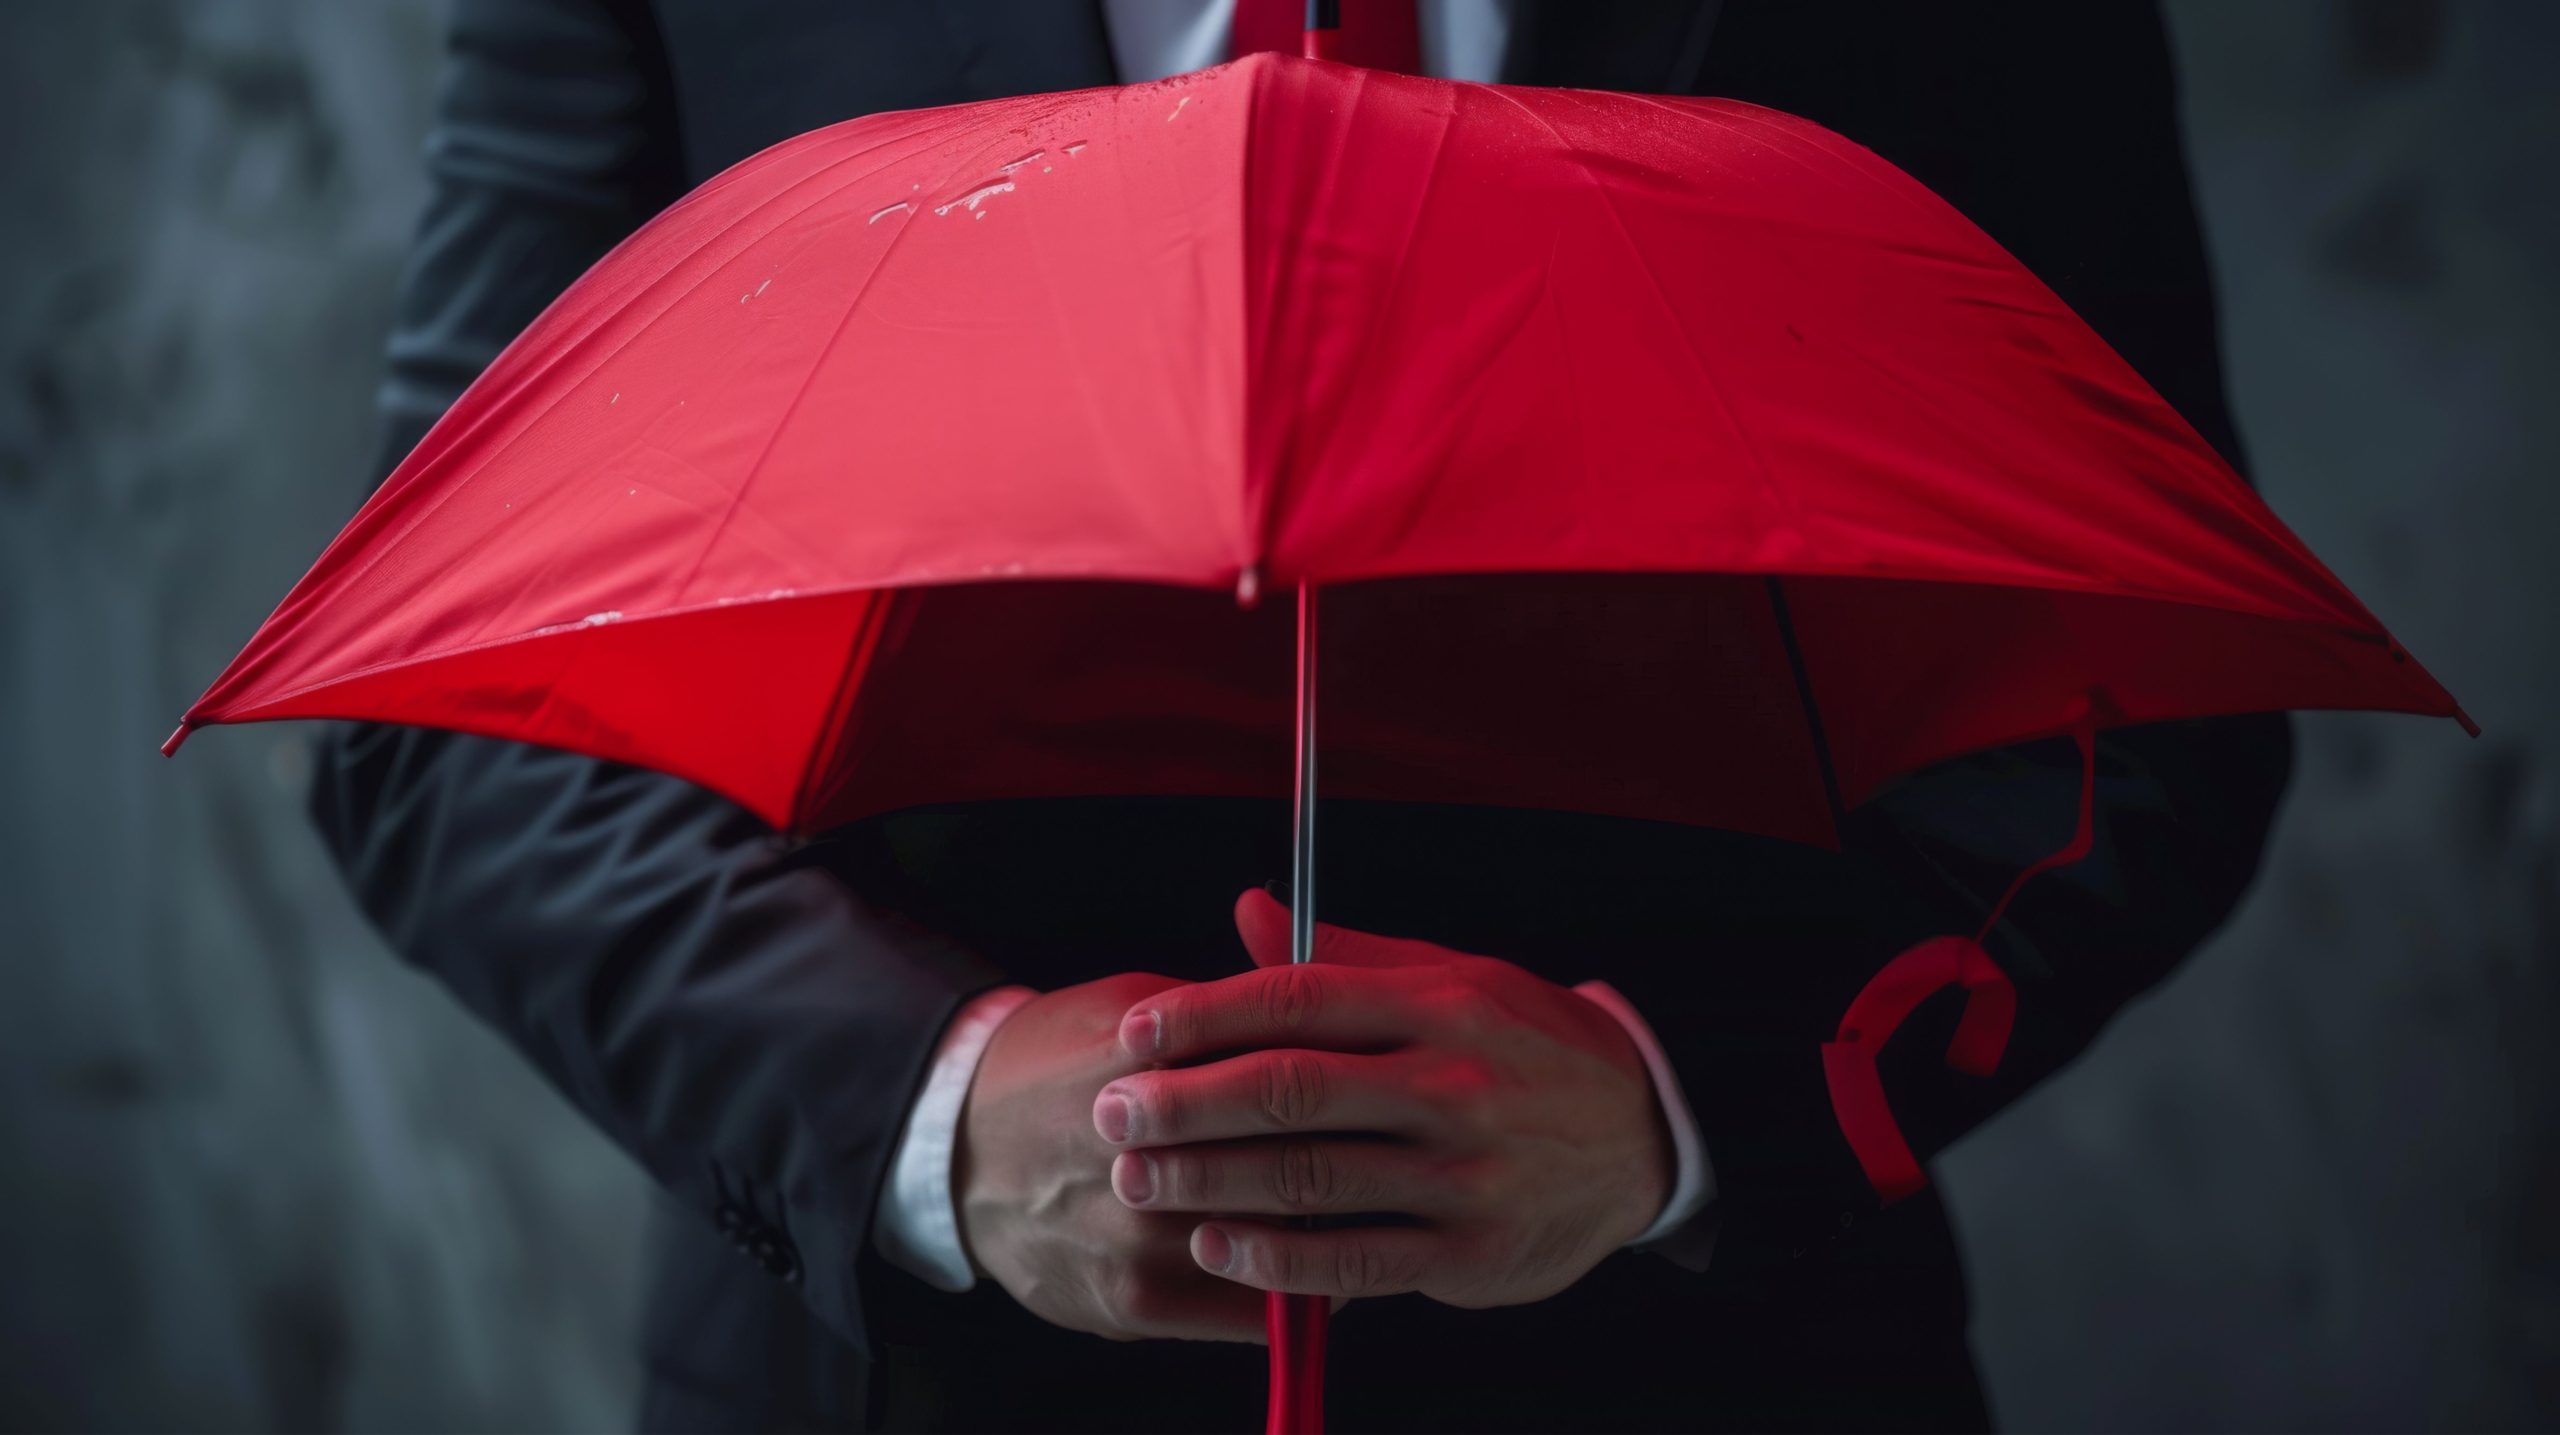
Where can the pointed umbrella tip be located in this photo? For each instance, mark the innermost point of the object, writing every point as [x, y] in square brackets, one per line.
[170, 748]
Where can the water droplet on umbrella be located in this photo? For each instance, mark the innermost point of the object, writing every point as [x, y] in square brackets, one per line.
[978, 196]
[1077, 147]
[1177, 109]
[878, 215]
[598, 620]
[617, 397]
[1009, 166]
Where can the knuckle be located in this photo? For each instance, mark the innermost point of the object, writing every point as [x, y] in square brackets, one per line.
[1368, 1268]
[1290, 997]
[1456, 1005]
[1464, 1091]
[1358, 1268]
[1188, 1182]
[1286, 1265]
[1305, 1177]
[1292, 1088]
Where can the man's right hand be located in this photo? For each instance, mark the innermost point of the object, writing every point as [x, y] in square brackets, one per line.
[1033, 1181]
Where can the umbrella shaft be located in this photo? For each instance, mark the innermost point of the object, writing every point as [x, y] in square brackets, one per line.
[1302, 860]
[1296, 1323]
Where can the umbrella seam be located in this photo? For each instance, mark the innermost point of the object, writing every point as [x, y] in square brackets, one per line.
[526, 380]
[834, 724]
[834, 336]
[1770, 489]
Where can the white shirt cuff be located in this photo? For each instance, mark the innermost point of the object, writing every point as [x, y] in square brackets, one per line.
[1693, 1179]
[917, 1227]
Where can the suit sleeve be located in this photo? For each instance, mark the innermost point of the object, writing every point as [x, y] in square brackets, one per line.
[726, 1009]
[2055, 128]
[2179, 818]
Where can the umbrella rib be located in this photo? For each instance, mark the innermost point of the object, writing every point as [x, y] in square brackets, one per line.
[638, 330]
[1775, 494]
[1259, 359]
[809, 381]
[1397, 275]
[1812, 708]
[824, 761]
[1746, 120]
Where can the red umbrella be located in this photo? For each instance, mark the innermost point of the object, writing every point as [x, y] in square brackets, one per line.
[1854, 490]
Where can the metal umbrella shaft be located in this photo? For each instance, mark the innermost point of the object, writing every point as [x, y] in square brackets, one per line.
[1295, 1324]
[1302, 858]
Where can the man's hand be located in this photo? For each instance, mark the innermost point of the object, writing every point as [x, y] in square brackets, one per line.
[1034, 1185]
[1506, 1121]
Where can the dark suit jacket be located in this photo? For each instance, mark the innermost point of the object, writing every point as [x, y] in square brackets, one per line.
[749, 1017]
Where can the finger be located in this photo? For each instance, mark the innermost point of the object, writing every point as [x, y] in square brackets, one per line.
[1265, 1093]
[1350, 1263]
[1280, 1178]
[1263, 922]
[1332, 1007]
[1264, 925]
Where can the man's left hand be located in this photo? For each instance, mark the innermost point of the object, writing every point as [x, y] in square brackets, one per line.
[1497, 1132]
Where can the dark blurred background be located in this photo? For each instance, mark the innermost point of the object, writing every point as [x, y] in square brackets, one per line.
[255, 1174]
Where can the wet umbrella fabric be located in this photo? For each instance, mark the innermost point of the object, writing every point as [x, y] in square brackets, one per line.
[925, 458]
[1288, 322]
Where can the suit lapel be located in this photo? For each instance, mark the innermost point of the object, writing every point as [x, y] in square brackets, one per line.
[1648, 47]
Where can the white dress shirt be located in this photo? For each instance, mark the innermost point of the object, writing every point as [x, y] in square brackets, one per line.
[917, 1226]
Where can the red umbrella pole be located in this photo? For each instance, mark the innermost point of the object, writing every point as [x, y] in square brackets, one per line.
[1295, 1324]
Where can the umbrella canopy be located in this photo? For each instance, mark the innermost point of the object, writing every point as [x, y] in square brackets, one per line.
[916, 459]
[1283, 322]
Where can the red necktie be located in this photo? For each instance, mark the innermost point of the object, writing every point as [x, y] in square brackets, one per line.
[1381, 34]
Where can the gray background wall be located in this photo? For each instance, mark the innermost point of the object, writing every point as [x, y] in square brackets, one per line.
[255, 1174]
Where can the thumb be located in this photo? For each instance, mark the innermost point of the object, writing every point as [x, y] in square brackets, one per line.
[1264, 924]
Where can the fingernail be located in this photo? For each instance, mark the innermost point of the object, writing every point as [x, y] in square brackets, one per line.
[1211, 1248]
[1113, 1117]
[1136, 1180]
[1142, 1032]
